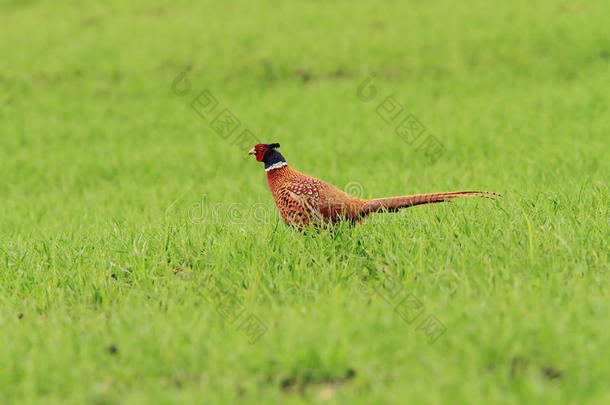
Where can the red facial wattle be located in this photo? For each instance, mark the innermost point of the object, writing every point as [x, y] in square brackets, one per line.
[260, 154]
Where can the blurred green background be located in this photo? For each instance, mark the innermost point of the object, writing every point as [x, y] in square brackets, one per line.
[106, 264]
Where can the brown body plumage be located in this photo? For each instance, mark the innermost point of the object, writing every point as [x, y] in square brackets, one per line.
[304, 200]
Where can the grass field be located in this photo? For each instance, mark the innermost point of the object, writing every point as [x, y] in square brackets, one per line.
[141, 258]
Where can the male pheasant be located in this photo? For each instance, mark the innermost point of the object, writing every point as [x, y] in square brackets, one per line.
[306, 201]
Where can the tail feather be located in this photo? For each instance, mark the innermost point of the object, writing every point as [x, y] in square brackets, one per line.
[393, 204]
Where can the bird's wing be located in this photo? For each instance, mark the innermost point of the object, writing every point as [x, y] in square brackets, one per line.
[325, 200]
[306, 193]
[298, 201]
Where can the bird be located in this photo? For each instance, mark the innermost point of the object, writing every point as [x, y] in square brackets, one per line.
[305, 201]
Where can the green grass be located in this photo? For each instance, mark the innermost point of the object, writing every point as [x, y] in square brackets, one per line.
[111, 274]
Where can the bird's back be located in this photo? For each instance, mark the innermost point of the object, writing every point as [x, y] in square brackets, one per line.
[303, 199]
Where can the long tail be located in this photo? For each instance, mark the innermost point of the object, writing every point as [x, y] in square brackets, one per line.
[393, 204]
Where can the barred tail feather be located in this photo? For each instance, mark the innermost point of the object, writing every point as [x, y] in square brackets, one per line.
[393, 204]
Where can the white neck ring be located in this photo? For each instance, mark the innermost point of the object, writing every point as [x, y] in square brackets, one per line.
[276, 166]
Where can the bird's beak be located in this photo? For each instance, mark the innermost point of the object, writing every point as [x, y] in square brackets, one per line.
[252, 152]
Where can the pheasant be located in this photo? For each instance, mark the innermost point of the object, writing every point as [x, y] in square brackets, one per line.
[306, 201]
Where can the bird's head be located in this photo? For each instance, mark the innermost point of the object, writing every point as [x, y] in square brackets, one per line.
[268, 154]
[262, 149]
